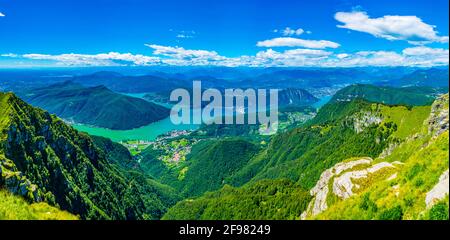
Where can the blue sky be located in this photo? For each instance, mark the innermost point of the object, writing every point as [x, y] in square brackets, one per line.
[230, 33]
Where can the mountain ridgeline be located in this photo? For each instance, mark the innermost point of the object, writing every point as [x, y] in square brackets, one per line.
[286, 97]
[295, 97]
[433, 77]
[97, 106]
[412, 96]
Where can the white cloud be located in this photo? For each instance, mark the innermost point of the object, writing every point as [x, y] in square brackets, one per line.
[301, 57]
[427, 56]
[307, 52]
[297, 42]
[369, 58]
[291, 32]
[2, 15]
[184, 36]
[342, 55]
[425, 51]
[409, 28]
[410, 57]
[12, 55]
[181, 53]
[102, 59]
[293, 57]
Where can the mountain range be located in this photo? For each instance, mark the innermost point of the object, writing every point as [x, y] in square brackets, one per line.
[370, 153]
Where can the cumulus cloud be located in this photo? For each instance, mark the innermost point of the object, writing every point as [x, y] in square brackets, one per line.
[342, 55]
[293, 57]
[2, 15]
[409, 28]
[297, 42]
[182, 53]
[425, 56]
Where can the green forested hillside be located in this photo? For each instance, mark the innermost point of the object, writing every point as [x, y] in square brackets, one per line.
[207, 167]
[353, 130]
[363, 129]
[413, 96]
[356, 159]
[417, 188]
[265, 200]
[43, 159]
[212, 164]
[115, 152]
[96, 106]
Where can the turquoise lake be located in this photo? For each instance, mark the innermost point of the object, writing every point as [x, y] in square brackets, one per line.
[153, 130]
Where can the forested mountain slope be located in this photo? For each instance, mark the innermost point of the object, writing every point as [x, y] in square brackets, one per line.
[97, 106]
[413, 96]
[45, 160]
[377, 143]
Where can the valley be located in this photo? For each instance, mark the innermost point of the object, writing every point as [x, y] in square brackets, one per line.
[346, 150]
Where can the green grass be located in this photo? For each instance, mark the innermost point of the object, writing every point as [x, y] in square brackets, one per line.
[408, 121]
[15, 208]
[4, 113]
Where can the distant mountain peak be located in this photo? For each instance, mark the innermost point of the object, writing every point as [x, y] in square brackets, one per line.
[106, 74]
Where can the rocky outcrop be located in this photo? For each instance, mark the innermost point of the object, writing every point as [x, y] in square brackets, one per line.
[438, 121]
[365, 119]
[343, 185]
[439, 191]
[320, 191]
[17, 183]
[341, 179]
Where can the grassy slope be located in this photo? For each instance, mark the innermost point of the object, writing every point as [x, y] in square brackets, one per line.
[425, 158]
[420, 173]
[15, 208]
